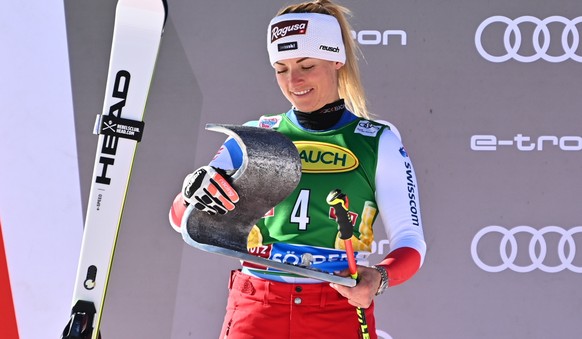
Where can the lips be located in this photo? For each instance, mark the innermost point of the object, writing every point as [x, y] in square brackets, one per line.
[300, 93]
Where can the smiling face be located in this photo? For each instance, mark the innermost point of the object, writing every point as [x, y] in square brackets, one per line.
[308, 83]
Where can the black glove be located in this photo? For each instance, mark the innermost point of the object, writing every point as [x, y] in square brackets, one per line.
[209, 191]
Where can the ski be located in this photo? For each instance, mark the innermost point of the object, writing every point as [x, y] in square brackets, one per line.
[136, 39]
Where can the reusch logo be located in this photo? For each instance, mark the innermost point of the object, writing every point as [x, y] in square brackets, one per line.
[329, 49]
[109, 146]
[286, 28]
[320, 157]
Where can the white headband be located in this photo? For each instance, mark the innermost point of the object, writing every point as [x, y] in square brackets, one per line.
[300, 35]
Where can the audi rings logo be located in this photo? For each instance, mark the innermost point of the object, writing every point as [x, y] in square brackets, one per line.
[512, 39]
[537, 249]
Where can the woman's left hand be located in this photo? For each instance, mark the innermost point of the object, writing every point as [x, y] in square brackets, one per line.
[363, 293]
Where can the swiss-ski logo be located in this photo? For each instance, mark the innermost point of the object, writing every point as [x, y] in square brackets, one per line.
[367, 128]
[109, 147]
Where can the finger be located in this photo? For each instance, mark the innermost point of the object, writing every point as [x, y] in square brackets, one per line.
[213, 202]
[209, 204]
[342, 290]
[345, 292]
[202, 207]
[212, 190]
[223, 185]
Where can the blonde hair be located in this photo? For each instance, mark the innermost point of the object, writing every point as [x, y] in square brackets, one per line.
[349, 84]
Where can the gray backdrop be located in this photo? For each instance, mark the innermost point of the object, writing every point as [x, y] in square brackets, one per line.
[435, 78]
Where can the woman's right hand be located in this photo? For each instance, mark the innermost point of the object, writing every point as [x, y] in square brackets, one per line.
[209, 191]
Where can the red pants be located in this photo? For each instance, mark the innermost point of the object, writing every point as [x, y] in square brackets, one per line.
[260, 308]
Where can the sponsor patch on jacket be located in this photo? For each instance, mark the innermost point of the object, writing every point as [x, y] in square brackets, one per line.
[270, 122]
[321, 157]
[367, 128]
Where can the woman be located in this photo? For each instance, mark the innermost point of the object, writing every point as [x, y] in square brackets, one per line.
[315, 62]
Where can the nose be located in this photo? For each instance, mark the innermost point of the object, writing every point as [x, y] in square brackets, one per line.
[295, 77]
